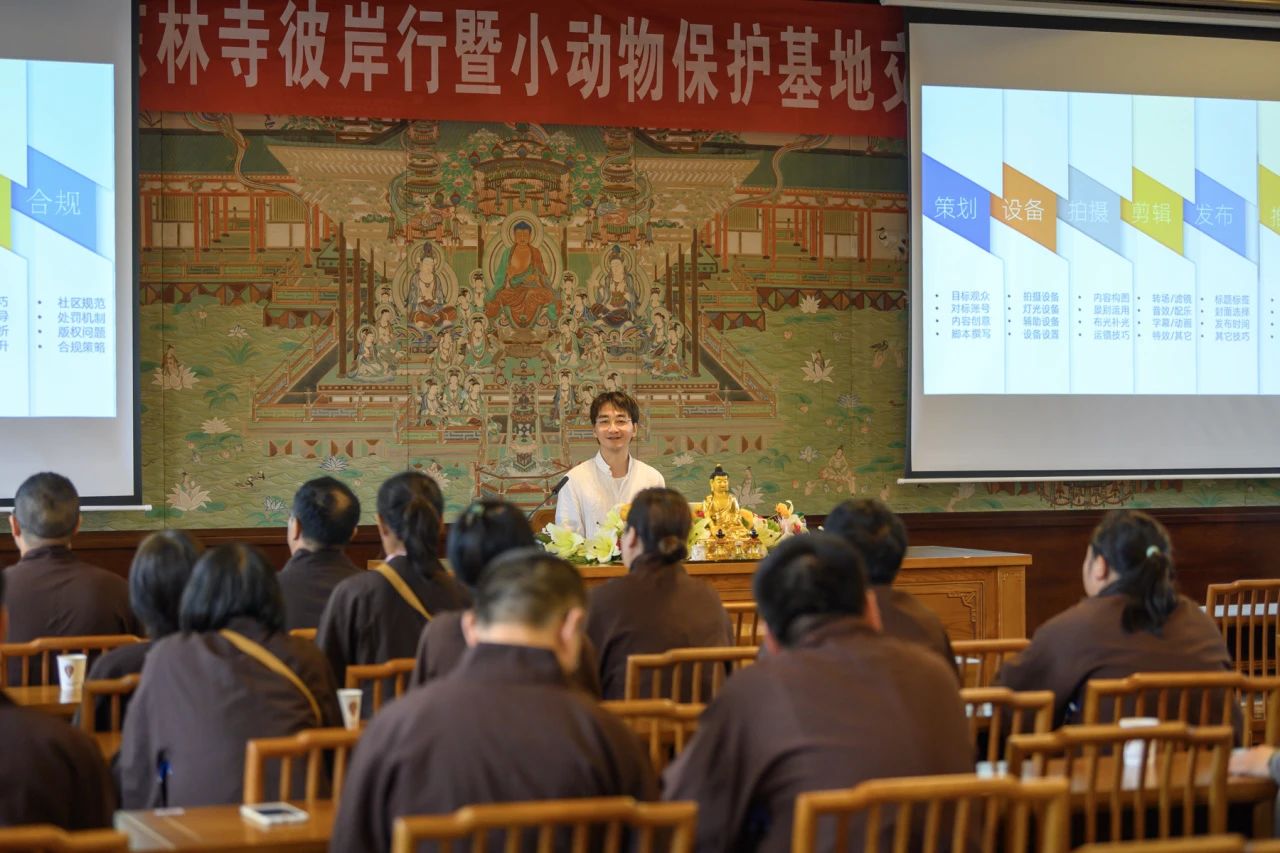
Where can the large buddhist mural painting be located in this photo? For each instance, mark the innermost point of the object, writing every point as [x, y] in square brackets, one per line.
[354, 298]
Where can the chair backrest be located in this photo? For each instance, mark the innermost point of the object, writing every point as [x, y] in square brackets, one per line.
[40, 655]
[979, 660]
[995, 713]
[302, 759]
[303, 633]
[1197, 844]
[748, 627]
[114, 691]
[661, 724]
[1173, 769]
[685, 675]
[44, 838]
[1247, 612]
[605, 825]
[376, 679]
[924, 814]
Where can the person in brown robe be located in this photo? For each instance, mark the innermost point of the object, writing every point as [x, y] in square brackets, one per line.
[656, 606]
[877, 533]
[324, 518]
[484, 531]
[1132, 620]
[204, 694]
[367, 619]
[503, 725]
[49, 771]
[51, 593]
[157, 576]
[835, 703]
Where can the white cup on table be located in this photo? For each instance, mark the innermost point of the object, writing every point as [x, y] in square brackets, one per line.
[71, 670]
[1133, 748]
[350, 700]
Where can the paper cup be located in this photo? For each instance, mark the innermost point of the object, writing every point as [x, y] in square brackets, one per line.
[71, 671]
[1133, 748]
[350, 700]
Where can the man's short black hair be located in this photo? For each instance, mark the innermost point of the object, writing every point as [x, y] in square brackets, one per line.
[327, 511]
[528, 587]
[875, 531]
[47, 506]
[806, 580]
[230, 582]
[620, 400]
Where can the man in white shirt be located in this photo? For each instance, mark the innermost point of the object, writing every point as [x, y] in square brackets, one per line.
[611, 477]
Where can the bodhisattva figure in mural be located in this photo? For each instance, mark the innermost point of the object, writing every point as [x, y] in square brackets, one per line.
[613, 382]
[667, 358]
[586, 393]
[472, 404]
[446, 356]
[429, 294]
[432, 406]
[580, 312]
[563, 401]
[478, 293]
[656, 301]
[617, 293]
[521, 290]
[564, 350]
[385, 337]
[594, 359]
[171, 368]
[837, 471]
[568, 286]
[454, 394]
[369, 366]
[721, 508]
[481, 347]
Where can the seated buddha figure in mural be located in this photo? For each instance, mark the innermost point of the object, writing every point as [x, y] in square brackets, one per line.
[722, 509]
[521, 289]
[428, 295]
[617, 293]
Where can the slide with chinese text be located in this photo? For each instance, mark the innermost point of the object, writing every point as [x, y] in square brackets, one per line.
[1098, 243]
[57, 239]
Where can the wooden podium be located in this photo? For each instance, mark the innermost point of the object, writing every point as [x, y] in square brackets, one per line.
[978, 594]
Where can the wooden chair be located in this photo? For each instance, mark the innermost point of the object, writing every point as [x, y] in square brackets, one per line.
[1195, 698]
[375, 678]
[1247, 612]
[303, 633]
[116, 691]
[661, 724]
[979, 660]
[1180, 768]
[925, 814]
[44, 838]
[313, 745]
[39, 656]
[1197, 844]
[995, 713]
[699, 672]
[607, 825]
[748, 627]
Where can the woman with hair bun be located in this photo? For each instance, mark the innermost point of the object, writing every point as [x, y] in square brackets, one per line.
[483, 532]
[379, 614]
[1133, 620]
[656, 606]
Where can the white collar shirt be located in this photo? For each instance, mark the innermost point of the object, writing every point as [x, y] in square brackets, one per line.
[592, 491]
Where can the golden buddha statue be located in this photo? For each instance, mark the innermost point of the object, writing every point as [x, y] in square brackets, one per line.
[732, 536]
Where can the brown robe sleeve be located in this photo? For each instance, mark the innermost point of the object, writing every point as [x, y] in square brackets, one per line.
[338, 636]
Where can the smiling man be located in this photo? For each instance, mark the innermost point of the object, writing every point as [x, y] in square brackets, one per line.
[611, 477]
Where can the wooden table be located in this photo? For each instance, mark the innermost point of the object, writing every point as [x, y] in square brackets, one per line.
[221, 828]
[977, 594]
[47, 698]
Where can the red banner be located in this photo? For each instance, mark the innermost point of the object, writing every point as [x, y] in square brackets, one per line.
[800, 67]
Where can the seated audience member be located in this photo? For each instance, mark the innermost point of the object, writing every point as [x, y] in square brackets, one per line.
[324, 518]
[484, 531]
[879, 536]
[51, 593]
[1133, 620]
[50, 772]
[835, 703]
[230, 675]
[656, 606]
[504, 725]
[378, 615]
[157, 577]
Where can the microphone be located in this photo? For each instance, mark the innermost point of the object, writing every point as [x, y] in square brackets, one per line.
[555, 490]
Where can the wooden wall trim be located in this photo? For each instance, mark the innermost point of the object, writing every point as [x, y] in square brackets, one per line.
[1211, 545]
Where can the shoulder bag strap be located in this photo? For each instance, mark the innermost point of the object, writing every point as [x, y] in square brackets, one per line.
[260, 653]
[398, 584]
